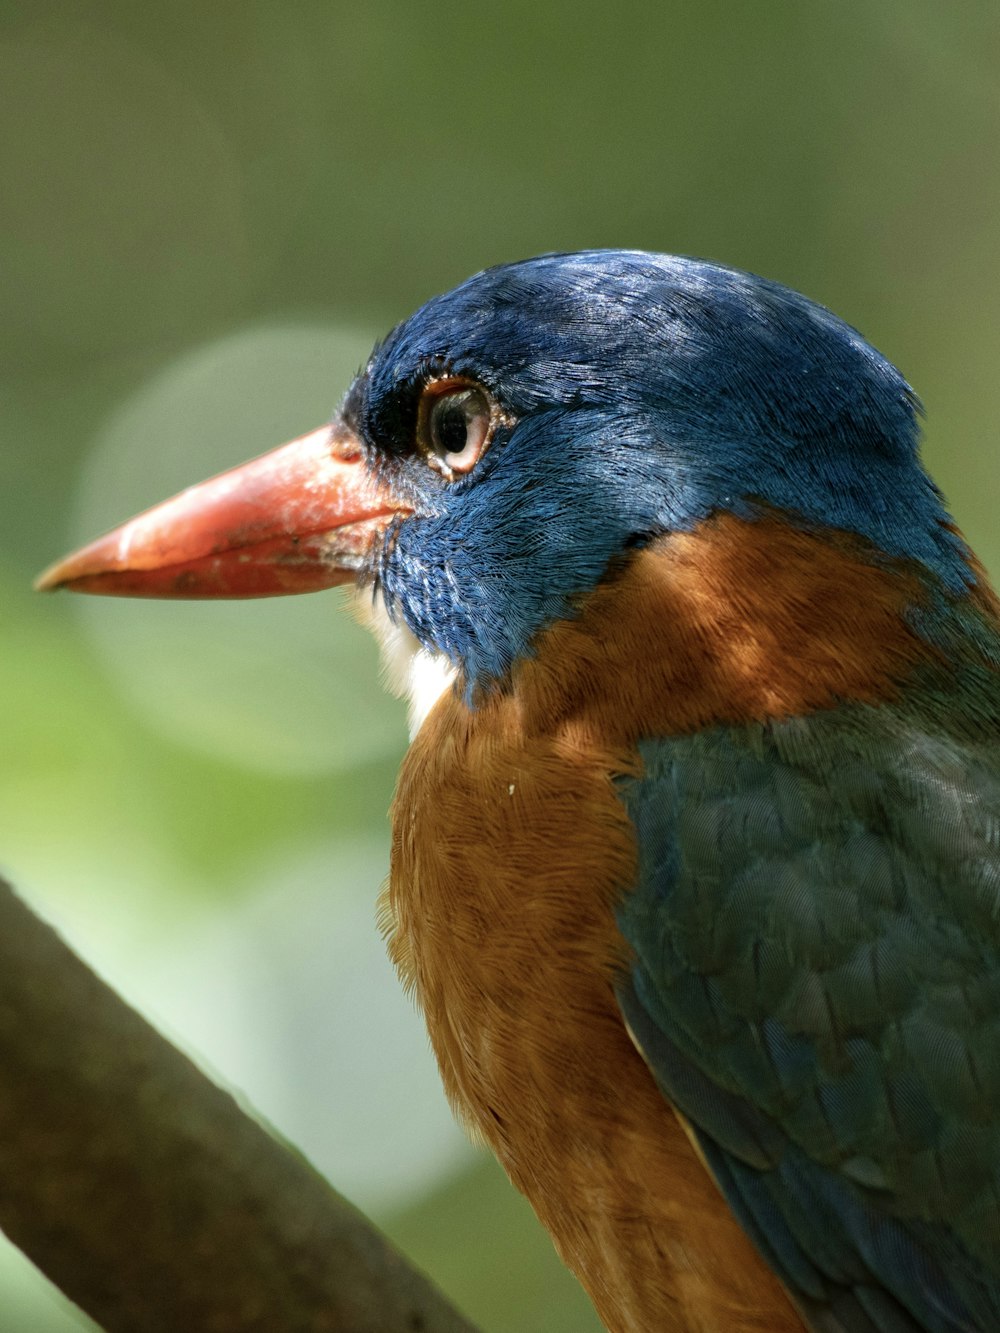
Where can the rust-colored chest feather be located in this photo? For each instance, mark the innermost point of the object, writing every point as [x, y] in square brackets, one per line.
[511, 850]
[506, 868]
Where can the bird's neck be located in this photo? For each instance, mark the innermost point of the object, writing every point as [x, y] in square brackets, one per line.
[741, 620]
[738, 620]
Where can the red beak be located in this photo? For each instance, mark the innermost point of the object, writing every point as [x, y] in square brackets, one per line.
[296, 520]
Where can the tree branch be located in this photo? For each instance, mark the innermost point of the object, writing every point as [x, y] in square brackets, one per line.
[145, 1193]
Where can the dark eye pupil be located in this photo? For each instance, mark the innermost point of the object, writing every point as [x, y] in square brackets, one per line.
[452, 428]
[457, 429]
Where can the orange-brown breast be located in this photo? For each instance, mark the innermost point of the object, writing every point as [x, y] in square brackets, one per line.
[511, 850]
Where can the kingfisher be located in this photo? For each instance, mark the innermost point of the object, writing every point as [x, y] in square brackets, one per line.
[696, 845]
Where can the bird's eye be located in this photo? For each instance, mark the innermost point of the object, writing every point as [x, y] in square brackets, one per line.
[456, 424]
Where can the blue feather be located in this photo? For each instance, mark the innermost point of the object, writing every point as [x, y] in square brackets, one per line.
[642, 392]
[819, 995]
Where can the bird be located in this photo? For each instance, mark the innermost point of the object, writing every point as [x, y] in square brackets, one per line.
[696, 845]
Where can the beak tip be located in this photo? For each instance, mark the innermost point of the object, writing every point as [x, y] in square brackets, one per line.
[76, 572]
[69, 572]
[49, 580]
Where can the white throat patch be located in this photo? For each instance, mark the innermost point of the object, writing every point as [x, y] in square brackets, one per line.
[414, 673]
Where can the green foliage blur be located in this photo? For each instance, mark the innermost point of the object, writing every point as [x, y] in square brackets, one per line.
[208, 211]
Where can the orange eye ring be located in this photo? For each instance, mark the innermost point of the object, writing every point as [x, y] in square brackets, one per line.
[455, 424]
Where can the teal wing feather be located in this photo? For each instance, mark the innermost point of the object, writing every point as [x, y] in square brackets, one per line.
[816, 986]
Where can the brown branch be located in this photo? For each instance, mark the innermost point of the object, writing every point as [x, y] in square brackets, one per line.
[145, 1193]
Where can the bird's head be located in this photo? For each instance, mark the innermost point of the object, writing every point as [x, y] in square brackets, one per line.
[517, 437]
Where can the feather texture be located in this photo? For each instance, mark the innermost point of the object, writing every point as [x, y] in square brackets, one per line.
[516, 929]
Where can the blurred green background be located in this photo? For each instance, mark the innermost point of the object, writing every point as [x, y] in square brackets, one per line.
[207, 213]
